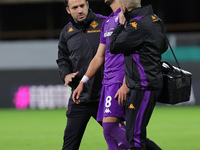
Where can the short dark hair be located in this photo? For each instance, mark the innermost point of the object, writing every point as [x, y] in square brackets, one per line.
[66, 2]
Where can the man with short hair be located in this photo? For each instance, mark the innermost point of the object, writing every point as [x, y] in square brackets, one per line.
[142, 41]
[78, 44]
[110, 112]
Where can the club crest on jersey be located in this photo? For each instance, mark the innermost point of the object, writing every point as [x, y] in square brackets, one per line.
[94, 24]
[70, 30]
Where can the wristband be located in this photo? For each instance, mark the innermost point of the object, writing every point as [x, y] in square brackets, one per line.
[85, 79]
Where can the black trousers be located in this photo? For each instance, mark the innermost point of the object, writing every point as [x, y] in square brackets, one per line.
[77, 119]
[139, 107]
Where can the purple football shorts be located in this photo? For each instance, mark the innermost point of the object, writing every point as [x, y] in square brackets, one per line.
[108, 105]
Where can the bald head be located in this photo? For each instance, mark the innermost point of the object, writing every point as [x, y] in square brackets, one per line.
[130, 4]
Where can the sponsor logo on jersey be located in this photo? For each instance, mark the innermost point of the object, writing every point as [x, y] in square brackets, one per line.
[70, 30]
[109, 32]
[134, 24]
[93, 31]
[94, 24]
[154, 18]
[131, 106]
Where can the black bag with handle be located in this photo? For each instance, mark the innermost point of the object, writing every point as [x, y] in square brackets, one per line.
[176, 83]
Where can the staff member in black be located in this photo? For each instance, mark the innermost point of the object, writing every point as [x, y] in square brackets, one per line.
[78, 44]
[142, 41]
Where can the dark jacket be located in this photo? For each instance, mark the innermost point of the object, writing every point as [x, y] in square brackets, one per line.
[77, 46]
[142, 41]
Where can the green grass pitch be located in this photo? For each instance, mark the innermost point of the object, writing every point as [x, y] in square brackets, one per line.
[171, 127]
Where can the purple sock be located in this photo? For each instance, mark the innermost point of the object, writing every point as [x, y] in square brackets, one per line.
[112, 144]
[115, 136]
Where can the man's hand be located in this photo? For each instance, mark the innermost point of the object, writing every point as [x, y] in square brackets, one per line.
[122, 18]
[77, 92]
[69, 77]
[121, 94]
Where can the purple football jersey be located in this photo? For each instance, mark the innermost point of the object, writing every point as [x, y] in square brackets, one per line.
[114, 63]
